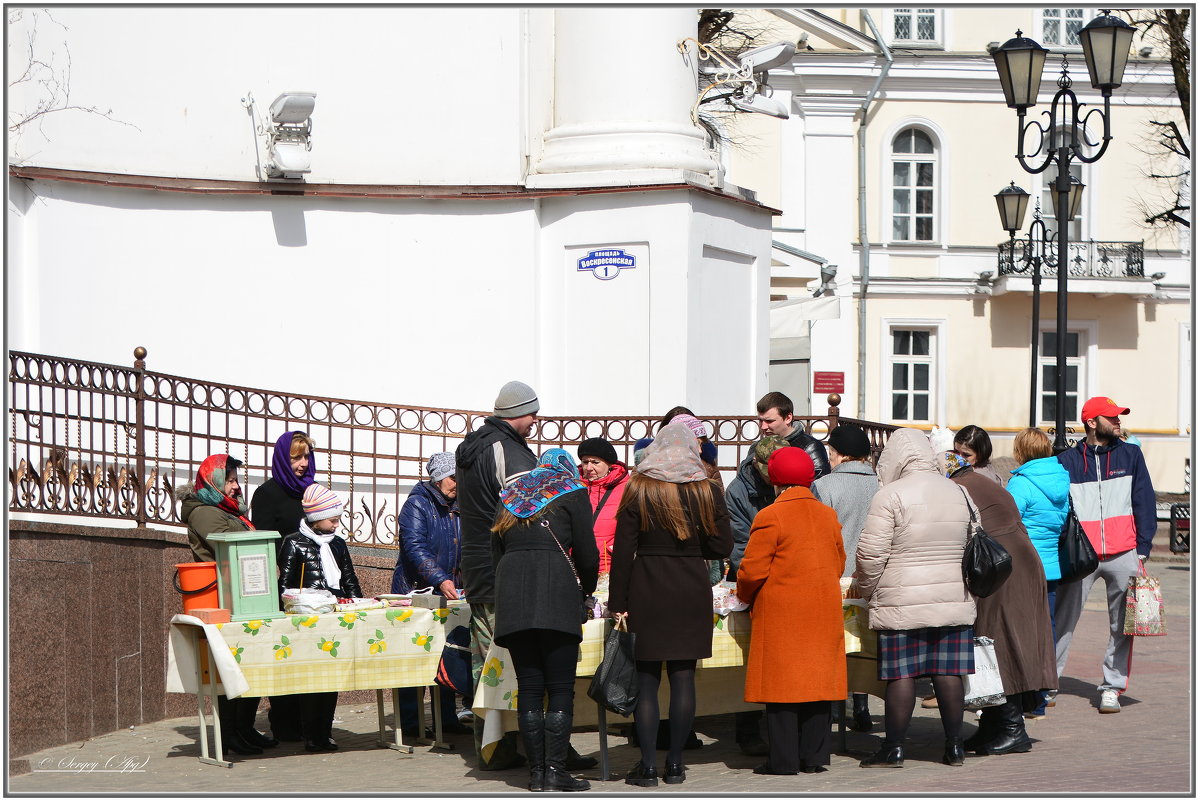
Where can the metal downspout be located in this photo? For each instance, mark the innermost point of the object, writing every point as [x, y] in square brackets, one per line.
[863, 237]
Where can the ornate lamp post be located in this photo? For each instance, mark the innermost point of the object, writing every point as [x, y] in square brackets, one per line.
[1020, 61]
[1038, 249]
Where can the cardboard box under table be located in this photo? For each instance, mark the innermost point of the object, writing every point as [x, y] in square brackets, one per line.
[376, 649]
[719, 680]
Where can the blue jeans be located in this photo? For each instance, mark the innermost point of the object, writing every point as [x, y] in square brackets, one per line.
[1051, 588]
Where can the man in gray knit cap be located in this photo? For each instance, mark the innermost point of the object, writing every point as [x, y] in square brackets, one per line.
[487, 459]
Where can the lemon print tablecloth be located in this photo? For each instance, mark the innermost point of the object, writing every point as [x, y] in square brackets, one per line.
[719, 681]
[373, 649]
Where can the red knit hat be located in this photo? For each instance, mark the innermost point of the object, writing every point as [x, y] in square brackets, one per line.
[791, 466]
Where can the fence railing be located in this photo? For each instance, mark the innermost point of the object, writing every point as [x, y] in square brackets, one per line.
[105, 441]
[1087, 259]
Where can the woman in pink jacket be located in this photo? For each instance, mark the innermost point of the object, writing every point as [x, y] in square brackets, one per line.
[606, 478]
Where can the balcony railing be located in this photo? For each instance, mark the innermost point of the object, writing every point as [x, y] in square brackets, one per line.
[104, 441]
[1088, 259]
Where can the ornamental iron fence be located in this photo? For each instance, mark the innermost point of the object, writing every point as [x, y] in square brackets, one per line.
[104, 441]
[1089, 259]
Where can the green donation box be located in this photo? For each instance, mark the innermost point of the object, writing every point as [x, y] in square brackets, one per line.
[247, 582]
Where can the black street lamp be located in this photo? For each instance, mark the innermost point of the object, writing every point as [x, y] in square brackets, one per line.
[1020, 62]
[1038, 249]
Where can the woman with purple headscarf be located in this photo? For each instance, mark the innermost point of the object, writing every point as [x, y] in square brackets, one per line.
[276, 506]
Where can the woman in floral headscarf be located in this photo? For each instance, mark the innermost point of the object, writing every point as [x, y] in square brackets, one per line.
[210, 505]
[546, 562]
[670, 520]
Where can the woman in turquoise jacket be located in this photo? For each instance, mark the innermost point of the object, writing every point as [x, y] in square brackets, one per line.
[1041, 489]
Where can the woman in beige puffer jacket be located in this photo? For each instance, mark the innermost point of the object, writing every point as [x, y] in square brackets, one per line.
[909, 568]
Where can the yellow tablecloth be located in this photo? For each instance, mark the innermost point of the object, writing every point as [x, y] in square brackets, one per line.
[378, 648]
[720, 679]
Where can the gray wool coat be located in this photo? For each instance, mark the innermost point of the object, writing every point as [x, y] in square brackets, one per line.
[849, 490]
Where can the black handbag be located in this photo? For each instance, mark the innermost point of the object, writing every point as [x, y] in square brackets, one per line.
[1075, 554]
[985, 563]
[614, 685]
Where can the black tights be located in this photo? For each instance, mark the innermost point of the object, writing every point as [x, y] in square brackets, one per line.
[901, 700]
[545, 663]
[681, 673]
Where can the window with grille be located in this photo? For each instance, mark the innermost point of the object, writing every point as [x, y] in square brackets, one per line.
[1060, 26]
[1074, 378]
[912, 390]
[915, 25]
[913, 178]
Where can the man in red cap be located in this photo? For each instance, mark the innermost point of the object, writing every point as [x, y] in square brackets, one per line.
[1114, 501]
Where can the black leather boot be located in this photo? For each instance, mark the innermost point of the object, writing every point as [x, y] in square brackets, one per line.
[1012, 737]
[557, 743]
[889, 755]
[576, 761]
[988, 729]
[246, 712]
[861, 713]
[955, 754]
[532, 732]
[231, 740]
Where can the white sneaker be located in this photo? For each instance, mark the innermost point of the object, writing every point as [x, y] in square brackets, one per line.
[1109, 702]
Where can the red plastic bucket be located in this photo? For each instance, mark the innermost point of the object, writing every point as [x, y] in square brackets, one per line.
[197, 582]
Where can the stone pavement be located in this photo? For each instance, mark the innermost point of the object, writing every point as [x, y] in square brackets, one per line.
[1147, 748]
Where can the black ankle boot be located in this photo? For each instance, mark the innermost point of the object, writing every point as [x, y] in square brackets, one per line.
[861, 713]
[231, 739]
[642, 775]
[1012, 738]
[532, 732]
[557, 743]
[889, 755]
[675, 773]
[988, 728]
[955, 754]
[576, 761]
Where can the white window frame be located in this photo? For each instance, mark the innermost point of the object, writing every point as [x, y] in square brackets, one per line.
[936, 43]
[1088, 361]
[939, 160]
[937, 375]
[1088, 14]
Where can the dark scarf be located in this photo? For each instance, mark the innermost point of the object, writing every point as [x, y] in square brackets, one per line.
[281, 467]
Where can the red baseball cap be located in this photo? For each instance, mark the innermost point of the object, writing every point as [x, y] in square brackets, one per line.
[1101, 407]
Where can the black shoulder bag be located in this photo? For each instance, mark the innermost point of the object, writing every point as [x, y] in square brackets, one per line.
[985, 563]
[1075, 555]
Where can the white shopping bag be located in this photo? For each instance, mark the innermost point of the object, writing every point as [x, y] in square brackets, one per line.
[984, 687]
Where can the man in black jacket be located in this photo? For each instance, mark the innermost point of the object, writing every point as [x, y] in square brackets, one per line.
[486, 460]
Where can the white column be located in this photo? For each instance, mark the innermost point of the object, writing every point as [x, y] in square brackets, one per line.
[622, 100]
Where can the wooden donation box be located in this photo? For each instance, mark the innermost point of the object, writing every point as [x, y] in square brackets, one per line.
[247, 581]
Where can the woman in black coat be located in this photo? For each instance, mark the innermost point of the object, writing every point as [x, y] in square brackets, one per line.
[671, 519]
[276, 507]
[546, 562]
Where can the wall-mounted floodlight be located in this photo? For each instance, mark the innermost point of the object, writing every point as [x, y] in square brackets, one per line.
[767, 57]
[291, 108]
[290, 135]
[762, 105]
[743, 77]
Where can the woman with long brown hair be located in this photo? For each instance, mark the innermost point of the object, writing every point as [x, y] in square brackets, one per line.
[671, 519]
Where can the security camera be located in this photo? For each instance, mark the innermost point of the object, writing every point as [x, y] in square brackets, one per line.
[766, 57]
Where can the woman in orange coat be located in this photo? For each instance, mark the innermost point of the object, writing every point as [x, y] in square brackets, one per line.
[791, 574]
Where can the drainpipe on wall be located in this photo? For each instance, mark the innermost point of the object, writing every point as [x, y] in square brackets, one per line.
[863, 237]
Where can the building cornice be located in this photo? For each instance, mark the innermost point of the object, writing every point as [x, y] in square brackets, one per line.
[212, 186]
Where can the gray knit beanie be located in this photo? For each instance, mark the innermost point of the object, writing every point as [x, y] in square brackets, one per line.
[516, 399]
[440, 465]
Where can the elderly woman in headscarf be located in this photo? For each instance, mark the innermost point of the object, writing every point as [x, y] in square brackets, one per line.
[909, 569]
[1015, 616]
[546, 563]
[671, 519]
[213, 504]
[276, 507]
[792, 572]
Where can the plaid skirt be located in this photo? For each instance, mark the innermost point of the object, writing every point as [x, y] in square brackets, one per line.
[938, 651]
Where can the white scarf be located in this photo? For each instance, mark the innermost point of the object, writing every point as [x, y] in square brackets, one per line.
[328, 562]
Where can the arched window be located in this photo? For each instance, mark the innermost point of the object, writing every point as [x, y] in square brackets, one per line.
[913, 182]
